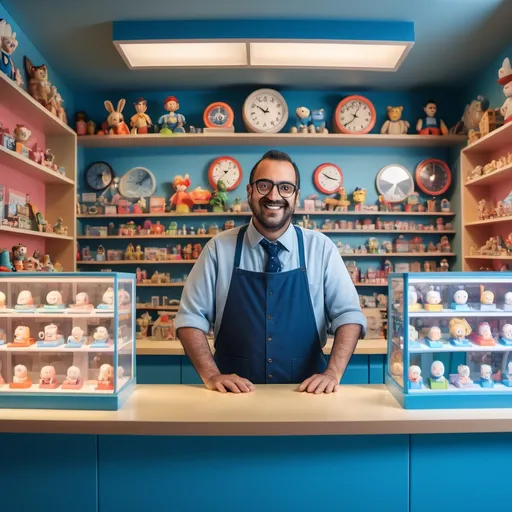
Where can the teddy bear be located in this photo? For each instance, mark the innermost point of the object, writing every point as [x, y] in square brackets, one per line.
[303, 115]
[395, 125]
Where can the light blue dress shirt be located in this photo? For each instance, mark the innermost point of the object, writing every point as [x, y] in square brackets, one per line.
[334, 297]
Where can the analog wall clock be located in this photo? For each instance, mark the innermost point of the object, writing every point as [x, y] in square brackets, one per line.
[395, 183]
[328, 178]
[99, 175]
[137, 182]
[218, 115]
[265, 111]
[354, 114]
[433, 177]
[226, 168]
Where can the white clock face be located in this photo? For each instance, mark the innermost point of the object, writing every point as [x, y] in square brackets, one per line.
[329, 178]
[137, 182]
[355, 116]
[228, 171]
[265, 111]
[395, 183]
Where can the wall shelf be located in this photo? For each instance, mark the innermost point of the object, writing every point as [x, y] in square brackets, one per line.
[494, 177]
[28, 232]
[162, 308]
[491, 142]
[497, 220]
[137, 262]
[162, 285]
[139, 237]
[401, 254]
[263, 139]
[476, 257]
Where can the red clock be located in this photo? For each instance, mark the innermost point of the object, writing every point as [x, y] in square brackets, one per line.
[218, 115]
[328, 178]
[226, 168]
[433, 177]
[354, 114]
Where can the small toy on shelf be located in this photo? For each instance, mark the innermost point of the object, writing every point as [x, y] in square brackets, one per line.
[115, 120]
[486, 299]
[20, 379]
[430, 124]
[471, 117]
[100, 338]
[107, 300]
[8, 45]
[486, 380]
[437, 379]
[50, 337]
[460, 300]
[106, 378]
[76, 339]
[171, 122]
[19, 251]
[82, 304]
[21, 337]
[484, 336]
[433, 337]
[73, 379]
[505, 79]
[461, 379]
[25, 302]
[395, 125]
[2, 381]
[433, 299]
[59, 228]
[507, 306]
[359, 198]
[415, 380]
[47, 379]
[459, 329]
[414, 305]
[339, 202]
[54, 303]
[219, 198]
[5, 261]
[309, 121]
[81, 123]
[413, 337]
[22, 135]
[180, 200]
[143, 323]
[140, 121]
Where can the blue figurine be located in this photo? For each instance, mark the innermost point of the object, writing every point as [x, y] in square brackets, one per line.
[8, 45]
[486, 376]
[172, 122]
[318, 120]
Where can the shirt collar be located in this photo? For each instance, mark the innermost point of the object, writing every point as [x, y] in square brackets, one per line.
[286, 239]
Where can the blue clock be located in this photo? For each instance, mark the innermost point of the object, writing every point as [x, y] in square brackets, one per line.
[137, 182]
[99, 175]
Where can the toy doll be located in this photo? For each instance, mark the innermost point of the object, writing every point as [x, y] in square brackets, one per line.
[172, 122]
[3, 299]
[484, 336]
[73, 379]
[433, 338]
[21, 337]
[76, 339]
[507, 376]
[437, 379]
[123, 299]
[460, 299]
[506, 335]
[507, 306]
[53, 304]
[115, 120]
[395, 125]
[2, 381]
[106, 378]
[20, 379]
[415, 380]
[19, 251]
[461, 378]
[8, 45]
[140, 122]
[414, 305]
[505, 79]
[25, 302]
[486, 376]
[459, 329]
[100, 338]
[82, 304]
[413, 337]
[430, 124]
[486, 299]
[219, 198]
[181, 201]
[50, 337]
[3, 337]
[433, 300]
[143, 323]
[107, 299]
[47, 378]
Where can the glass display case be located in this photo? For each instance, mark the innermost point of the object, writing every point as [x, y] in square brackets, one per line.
[450, 339]
[67, 340]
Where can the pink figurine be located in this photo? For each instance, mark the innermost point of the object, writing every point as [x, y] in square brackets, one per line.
[47, 378]
[106, 378]
[73, 379]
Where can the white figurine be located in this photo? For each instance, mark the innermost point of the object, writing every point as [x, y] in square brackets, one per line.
[25, 301]
[82, 304]
[460, 297]
[72, 376]
[2, 381]
[413, 334]
[508, 301]
[437, 371]
[461, 379]
[506, 334]
[100, 337]
[433, 299]
[414, 377]
[505, 79]
[54, 298]
[123, 298]
[106, 377]
[107, 299]
[486, 376]
[413, 299]
[20, 374]
[433, 339]
[77, 337]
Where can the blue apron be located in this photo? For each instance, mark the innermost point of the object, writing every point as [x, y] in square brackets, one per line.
[268, 332]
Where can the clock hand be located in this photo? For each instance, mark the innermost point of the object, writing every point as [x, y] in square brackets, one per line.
[264, 111]
[351, 121]
[330, 177]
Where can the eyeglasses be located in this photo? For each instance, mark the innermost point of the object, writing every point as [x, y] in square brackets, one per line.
[265, 187]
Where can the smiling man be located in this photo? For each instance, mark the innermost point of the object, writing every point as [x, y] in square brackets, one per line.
[272, 291]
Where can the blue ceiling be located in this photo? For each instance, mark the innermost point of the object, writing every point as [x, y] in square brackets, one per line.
[454, 40]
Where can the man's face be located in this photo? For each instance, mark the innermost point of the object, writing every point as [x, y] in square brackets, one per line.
[431, 109]
[272, 211]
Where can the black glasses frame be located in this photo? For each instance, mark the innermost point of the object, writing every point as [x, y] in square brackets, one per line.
[274, 184]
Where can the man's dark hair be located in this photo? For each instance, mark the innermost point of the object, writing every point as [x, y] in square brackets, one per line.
[274, 154]
[429, 102]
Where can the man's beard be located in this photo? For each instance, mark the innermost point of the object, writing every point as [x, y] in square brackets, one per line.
[273, 220]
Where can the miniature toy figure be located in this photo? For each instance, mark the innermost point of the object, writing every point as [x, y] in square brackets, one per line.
[21, 135]
[3, 337]
[59, 227]
[115, 120]
[459, 329]
[461, 378]
[181, 201]
[433, 300]
[430, 124]
[106, 378]
[484, 336]
[39, 86]
[53, 304]
[505, 79]
[100, 338]
[506, 335]
[76, 339]
[73, 379]
[20, 379]
[3, 299]
[82, 304]
[415, 380]
[472, 116]
[8, 45]
[339, 202]
[2, 381]
[50, 337]
[507, 306]
[486, 299]
[433, 337]
[143, 323]
[359, 196]
[486, 376]
[25, 302]
[81, 123]
[395, 125]
[21, 337]
[303, 120]
[172, 122]
[413, 337]
[139, 255]
[5, 261]
[414, 305]
[460, 299]
[124, 299]
[437, 379]
[443, 265]
[140, 122]
[107, 299]
[47, 378]
[19, 251]
[219, 198]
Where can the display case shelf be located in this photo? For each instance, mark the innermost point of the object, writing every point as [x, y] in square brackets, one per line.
[137, 262]
[28, 232]
[400, 254]
[387, 231]
[488, 222]
[141, 237]
[164, 285]
[63, 349]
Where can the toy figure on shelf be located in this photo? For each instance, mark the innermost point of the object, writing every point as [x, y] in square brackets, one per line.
[507, 305]
[171, 122]
[339, 202]
[143, 323]
[460, 300]
[53, 304]
[107, 300]
[486, 376]
[106, 378]
[413, 337]
[76, 339]
[50, 337]
[433, 338]
[359, 197]
[181, 201]
[430, 124]
[461, 378]
[8, 45]
[59, 228]
[486, 299]
[73, 379]
[100, 338]
[415, 380]
[5, 261]
[25, 302]
[505, 79]
[39, 86]
[443, 265]
[219, 198]
[82, 304]
[21, 337]
[437, 379]
[115, 120]
[459, 330]
[2, 381]
[140, 122]
[414, 305]
[22, 135]
[20, 379]
[484, 336]
[47, 378]
[433, 299]
[3, 300]
[19, 251]
[81, 123]
[395, 125]
[506, 335]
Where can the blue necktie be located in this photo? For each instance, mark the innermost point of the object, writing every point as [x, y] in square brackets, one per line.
[272, 249]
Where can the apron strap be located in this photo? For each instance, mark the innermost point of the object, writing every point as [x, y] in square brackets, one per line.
[239, 244]
[300, 243]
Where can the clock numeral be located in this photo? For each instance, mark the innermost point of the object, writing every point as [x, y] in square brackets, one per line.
[264, 125]
[279, 113]
[272, 123]
[278, 105]
[259, 99]
[253, 105]
[277, 119]
[272, 99]
[265, 99]
[253, 113]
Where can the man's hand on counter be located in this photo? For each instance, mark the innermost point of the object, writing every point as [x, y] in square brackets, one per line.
[232, 382]
[325, 382]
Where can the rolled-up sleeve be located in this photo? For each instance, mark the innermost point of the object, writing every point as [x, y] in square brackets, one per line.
[341, 298]
[197, 305]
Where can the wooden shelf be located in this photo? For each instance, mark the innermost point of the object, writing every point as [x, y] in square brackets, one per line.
[387, 231]
[23, 165]
[136, 262]
[162, 308]
[163, 285]
[494, 177]
[28, 232]
[141, 237]
[400, 254]
[497, 139]
[476, 257]
[497, 220]
[263, 139]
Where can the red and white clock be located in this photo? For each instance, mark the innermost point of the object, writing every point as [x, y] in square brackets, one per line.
[354, 114]
[433, 177]
[226, 168]
[218, 115]
[328, 178]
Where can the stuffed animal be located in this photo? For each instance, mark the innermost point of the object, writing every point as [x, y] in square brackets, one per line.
[303, 115]
[395, 125]
[38, 86]
[473, 113]
[505, 79]
[115, 119]
[318, 121]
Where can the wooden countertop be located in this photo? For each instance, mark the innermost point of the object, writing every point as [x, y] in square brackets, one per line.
[175, 348]
[270, 410]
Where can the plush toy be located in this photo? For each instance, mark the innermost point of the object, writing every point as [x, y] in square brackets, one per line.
[473, 113]
[318, 121]
[8, 45]
[115, 120]
[505, 79]
[39, 86]
[219, 199]
[181, 201]
[395, 125]
[430, 124]
[303, 115]
[5, 261]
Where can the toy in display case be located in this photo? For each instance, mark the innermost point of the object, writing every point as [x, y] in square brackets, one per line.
[449, 339]
[67, 340]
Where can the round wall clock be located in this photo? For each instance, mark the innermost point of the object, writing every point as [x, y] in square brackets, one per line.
[328, 178]
[226, 168]
[218, 115]
[265, 111]
[433, 176]
[99, 175]
[354, 114]
[137, 182]
[395, 183]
